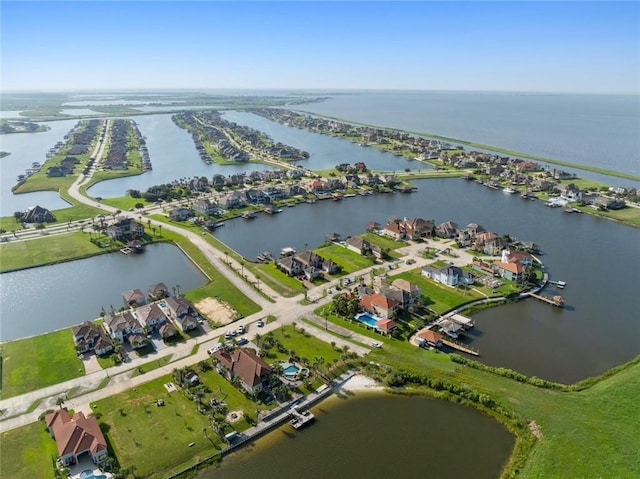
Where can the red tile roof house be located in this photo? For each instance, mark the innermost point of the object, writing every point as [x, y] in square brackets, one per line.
[386, 325]
[76, 435]
[432, 338]
[510, 271]
[379, 305]
[158, 291]
[245, 364]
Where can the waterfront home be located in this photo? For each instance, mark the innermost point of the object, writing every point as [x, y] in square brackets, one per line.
[373, 226]
[89, 336]
[409, 287]
[121, 326]
[257, 196]
[393, 230]
[158, 291]
[510, 271]
[358, 245]
[417, 228]
[76, 435]
[150, 316]
[178, 306]
[206, 207]
[294, 190]
[38, 214]
[133, 298]
[521, 257]
[379, 305]
[181, 214]
[449, 275]
[489, 243]
[447, 230]
[233, 199]
[126, 228]
[246, 365]
[308, 263]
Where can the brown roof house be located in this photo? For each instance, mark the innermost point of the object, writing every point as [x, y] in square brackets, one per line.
[89, 336]
[133, 298]
[76, 435]
[245, 364]
[150, 316]
[158, 291]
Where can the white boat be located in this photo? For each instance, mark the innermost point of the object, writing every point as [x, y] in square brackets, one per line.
[509, 190]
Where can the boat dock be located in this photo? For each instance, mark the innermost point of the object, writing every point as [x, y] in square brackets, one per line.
[555, 301]
[299, 419]
[460, 347]
[559, 284]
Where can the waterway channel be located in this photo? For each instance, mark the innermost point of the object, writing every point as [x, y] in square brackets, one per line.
[39, 300]
[377, 436]
[598, 259]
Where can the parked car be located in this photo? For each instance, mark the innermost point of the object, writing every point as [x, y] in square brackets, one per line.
[212, 350]
[241, 341]
[240, 329]
[260, 323]
[376, 344]
[227, 335]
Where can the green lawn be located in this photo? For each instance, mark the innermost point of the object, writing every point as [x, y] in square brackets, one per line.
[276, 279]
[383, 241]
[34, 363]
[155, 439]
[349, 260]
[27, 452]
[440, 298]
[303, 343]
[630, 216]
[45, 250]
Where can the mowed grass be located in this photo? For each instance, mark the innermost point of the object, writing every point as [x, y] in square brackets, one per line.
[27, 452]
[349, 260]
[277, 280]
[304, 344]
[33, 363]
[628, 215]
[45, 250]
[383, 241]
[155, 439]
[440, 298]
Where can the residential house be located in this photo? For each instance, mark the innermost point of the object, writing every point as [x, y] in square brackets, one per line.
[489, 243]
[157, 292]
[38, 214]
[386, 326]
[257, 196]
[178, 306]
[510, 271]
[379, 305]
[409, 287]
[358, 245]
[449, 275]
[245, 364]
[206, 207]
[76, 435]
[133, 298]
[89, 336]
[126, 228]
[417, 228]
[150, 316]
[448, 229]
[393, 230]
[431, 338]
[181, 214]
[121, 326]
[233, 199]
[186, 322]
[167, 330]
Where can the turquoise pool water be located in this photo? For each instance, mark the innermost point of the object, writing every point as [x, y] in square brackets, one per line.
[367, 319]
[88, 474]
[292, 370]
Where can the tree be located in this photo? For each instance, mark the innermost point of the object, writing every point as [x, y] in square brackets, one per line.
[60, 402]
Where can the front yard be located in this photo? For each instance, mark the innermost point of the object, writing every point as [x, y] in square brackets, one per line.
[349, 260]
[37, 362]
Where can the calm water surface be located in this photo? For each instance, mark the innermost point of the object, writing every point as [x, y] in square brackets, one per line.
[377, 436]
[173, 156]
[595, 130]
[26, 148]
[324, 151]
[598, 329]
[39, 300]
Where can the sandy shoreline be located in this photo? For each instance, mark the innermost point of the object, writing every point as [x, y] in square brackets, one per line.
[362, 383]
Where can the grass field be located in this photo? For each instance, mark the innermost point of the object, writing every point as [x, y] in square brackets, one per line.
[34, 363]
[630, 216]
[349, 260]
[27, 452]
[277, 280]
[45, 250]
[383, 241]
[440, 298]
[303, 344]
[155, 439]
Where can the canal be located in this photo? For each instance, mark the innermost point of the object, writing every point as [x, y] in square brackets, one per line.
[598, 328]
[377, 436]
[39, 300]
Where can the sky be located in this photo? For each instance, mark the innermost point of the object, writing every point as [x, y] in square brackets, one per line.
[580, 47]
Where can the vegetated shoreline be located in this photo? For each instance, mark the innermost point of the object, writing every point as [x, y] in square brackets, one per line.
[593, 169]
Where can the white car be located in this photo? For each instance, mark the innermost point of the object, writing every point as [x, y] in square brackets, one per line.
[260, 323]
[214, 349]
[240, 330]
[376, 344]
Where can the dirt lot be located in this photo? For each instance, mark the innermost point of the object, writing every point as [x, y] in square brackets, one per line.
[216, 310]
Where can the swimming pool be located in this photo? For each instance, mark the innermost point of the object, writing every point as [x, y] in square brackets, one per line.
[88, 474]
[291, 371]
[368, 319]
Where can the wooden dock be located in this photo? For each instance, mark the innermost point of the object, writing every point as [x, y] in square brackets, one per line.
[460, 347]
[555, 301]
[299, 419]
